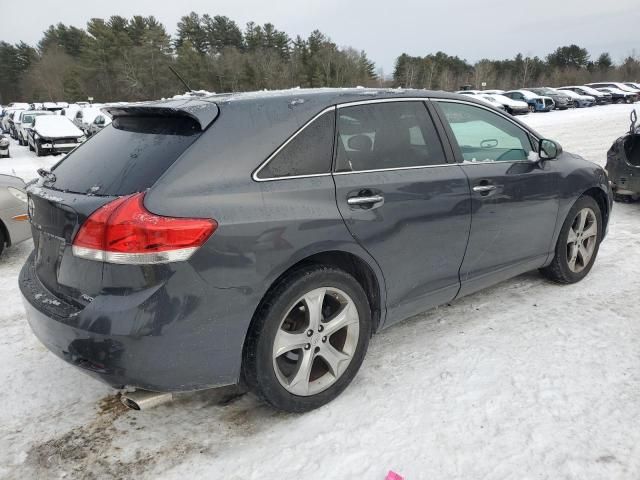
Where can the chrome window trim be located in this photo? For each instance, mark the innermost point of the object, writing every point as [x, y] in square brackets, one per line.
[254, 176]
[355, 103]
[392, 169]
[255, 173]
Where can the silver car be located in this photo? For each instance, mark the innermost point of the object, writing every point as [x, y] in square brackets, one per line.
[14, 219]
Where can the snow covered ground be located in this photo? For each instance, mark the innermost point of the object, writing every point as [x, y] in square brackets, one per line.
[527, 380]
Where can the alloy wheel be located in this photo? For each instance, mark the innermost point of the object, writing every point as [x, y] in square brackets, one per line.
[316, 341]
[582, 240]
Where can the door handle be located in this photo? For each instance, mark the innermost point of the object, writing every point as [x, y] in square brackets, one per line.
[364, 201]
[484, 188]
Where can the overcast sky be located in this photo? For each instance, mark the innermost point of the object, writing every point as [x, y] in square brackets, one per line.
[470, 29]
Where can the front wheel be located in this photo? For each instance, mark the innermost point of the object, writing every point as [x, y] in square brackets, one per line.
[308, 339]
[578, 243]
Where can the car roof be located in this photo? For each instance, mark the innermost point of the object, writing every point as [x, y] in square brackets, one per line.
[206, 108]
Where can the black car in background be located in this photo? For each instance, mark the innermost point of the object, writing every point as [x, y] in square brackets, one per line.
[561, 99]
[602, 98]
[263, 237]
[53, 134]
[618, 96]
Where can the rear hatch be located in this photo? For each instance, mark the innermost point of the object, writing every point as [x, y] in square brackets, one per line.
[126, 157]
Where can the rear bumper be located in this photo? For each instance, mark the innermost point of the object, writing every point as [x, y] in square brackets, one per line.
[141, 339]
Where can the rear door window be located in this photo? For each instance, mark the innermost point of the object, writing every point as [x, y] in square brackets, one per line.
[127, 157]
[390, 135]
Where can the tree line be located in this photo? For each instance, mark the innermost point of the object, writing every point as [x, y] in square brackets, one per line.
[567, 65]
[129, 58]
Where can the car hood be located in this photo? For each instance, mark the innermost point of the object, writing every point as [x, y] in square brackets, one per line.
[57, 127]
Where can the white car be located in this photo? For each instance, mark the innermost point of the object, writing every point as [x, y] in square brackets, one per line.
[580, 100]
[26, 123]
[514, 107]
[14, 123]
[494, 92]
[85, 117]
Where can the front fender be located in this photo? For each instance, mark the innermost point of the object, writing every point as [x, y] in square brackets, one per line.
[577, 177]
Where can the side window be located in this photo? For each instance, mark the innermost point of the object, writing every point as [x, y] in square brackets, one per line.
[386, 135]
[307, 153]
[484, 136]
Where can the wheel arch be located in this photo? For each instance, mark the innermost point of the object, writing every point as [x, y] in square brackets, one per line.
[360, 269]
[5, 234]
[602, 200]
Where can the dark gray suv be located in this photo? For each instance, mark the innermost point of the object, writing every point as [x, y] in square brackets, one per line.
[264, 237]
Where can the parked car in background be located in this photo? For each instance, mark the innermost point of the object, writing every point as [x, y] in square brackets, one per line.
[536, 102]
[579, 100]
[4, 146]
[53, 106]
[490, 100]
[85, 116]
[27, 119]
[618, 85]
[619, 96]
[54, 134]
[514, 107]
[601, 98]
[14, 220]
[70, 111]
[164, 266]
[493, 92]
[101, 121]
[633, 85]
[561, 100]
[623, 163]
[14, 123]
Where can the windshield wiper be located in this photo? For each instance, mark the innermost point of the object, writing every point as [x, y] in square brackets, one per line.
[47, 175]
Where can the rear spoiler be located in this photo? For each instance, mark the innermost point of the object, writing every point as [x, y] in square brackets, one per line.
[202, 111]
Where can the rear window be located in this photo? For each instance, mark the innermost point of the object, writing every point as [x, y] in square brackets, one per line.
[126, 157]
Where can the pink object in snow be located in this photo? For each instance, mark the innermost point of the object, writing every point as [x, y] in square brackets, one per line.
[393, 476]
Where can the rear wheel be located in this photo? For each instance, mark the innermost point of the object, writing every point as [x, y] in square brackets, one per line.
[578, 243]
[532, 108]
[308, 339]
[2, 239]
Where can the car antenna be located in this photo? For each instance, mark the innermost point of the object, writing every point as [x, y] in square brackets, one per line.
[181, 79]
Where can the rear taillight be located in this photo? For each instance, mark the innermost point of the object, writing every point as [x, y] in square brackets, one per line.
[123, 231]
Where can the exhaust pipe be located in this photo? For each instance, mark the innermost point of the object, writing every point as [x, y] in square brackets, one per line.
[144, 399]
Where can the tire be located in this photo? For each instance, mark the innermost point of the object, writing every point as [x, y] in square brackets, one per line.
[532, 109]
[272, 377]
[30, 146]
[2, 239]
[39, 152]
[560, 270]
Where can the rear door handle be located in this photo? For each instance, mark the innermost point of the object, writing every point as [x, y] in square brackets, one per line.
[372, 200]
[484, 188]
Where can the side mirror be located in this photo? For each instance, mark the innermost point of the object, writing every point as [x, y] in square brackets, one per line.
[548, 149]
